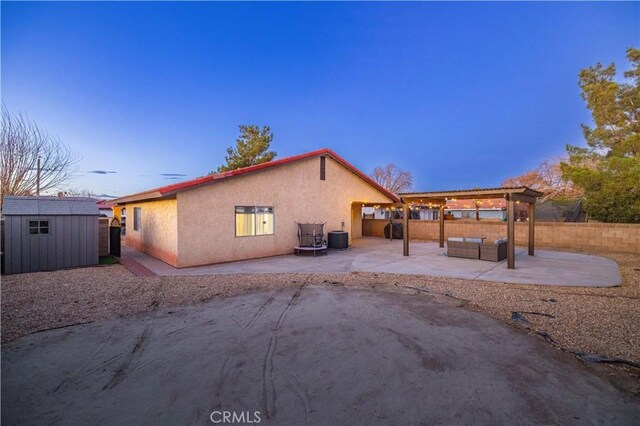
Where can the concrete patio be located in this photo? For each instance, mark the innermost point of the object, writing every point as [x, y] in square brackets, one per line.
[372, 254]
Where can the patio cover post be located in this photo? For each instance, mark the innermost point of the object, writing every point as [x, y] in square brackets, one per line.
[441, 220]
[532, 227]
[511, 243]
[405, 230]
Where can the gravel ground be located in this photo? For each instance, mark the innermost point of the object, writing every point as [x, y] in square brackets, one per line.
[603, 321]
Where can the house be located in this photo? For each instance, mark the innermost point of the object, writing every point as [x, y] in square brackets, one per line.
[395, 212]
[250, 212]
[490, 209]
[48, 233]
[105, 208]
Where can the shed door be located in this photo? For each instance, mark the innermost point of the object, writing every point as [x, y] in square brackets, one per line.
[38, 252]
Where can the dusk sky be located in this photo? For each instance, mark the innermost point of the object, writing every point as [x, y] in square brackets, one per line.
[462, 95]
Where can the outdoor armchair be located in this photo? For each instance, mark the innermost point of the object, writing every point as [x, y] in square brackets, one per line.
[494, 251]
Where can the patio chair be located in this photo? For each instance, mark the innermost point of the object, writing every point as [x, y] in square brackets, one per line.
[494, 251]
[310, 239]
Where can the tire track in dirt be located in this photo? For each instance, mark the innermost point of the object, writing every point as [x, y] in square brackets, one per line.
[300, 393]
[283, 314]
[236, 320]
[227, 365]
[268, 386]
[207, 322]
[138, 348]
[80, 373]
[224, 372]
[262, 308]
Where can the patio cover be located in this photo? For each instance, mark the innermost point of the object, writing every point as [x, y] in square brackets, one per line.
[520, 194]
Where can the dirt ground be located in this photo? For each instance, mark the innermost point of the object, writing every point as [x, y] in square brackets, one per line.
[307, 354]
[602, 321]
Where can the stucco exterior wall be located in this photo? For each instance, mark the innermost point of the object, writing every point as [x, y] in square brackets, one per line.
[613, 237]
[157, 235]
[206, 215]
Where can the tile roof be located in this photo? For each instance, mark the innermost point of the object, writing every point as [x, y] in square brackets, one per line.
[49, 206]
[169, 190]
[105, 204]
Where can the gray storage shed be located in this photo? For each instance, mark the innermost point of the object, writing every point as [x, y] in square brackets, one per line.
[48, 233]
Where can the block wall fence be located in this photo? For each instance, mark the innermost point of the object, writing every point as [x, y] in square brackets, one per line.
[612, 237]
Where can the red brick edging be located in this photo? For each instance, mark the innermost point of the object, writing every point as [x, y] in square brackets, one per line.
[136, 268]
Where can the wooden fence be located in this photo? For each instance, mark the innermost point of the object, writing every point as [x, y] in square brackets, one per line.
[103, 236]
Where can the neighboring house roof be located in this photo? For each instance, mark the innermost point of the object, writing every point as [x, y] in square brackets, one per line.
[105, 204]
[170, 190]
[49, 206]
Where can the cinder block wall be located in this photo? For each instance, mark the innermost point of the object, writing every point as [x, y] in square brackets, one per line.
[614, 237]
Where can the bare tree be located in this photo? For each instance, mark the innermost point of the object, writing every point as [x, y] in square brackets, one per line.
[79, 192]
[22, 143]
[547, 177]
[392, 178]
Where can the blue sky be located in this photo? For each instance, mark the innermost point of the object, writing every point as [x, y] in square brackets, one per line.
[463, 95]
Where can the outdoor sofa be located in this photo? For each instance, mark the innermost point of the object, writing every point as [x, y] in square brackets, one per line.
[475, 248]
[468, 248]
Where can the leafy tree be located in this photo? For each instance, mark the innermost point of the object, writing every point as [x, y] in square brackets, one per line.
[547, 178]
[392, 178]
[22, 144]
[252, 147]
[608, 169]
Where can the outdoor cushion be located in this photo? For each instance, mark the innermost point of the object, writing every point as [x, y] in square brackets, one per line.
[473, 240]
[455, 239]
[501, 240]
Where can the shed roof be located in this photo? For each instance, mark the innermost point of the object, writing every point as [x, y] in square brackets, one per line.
[49, 206]
[170, 190]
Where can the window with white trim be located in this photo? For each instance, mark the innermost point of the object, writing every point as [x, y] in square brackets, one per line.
[254, 220]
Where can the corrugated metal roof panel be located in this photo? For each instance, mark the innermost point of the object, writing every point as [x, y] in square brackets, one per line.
[49, 206]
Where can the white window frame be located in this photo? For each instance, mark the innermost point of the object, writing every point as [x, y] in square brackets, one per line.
[255, 219]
